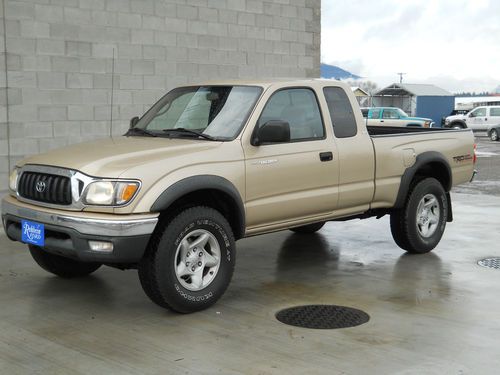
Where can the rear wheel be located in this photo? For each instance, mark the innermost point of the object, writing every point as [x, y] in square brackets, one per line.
[419, 225]
[310, 228]
[61, 266]
[494, 135]
[190, 261]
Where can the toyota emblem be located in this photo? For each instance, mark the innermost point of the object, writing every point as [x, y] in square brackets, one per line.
[40, 186]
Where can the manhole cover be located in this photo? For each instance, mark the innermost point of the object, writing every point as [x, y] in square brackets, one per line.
[490, 263]
[322, 316]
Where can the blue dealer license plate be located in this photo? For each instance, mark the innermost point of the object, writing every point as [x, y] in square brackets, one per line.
[33, 233]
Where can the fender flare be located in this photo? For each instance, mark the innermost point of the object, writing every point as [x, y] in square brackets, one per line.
[409, 173]
[461, 122]
[204, 182]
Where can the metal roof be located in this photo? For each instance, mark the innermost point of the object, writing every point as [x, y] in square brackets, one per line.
[413, 89]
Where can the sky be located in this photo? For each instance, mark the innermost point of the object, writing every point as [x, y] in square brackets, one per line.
[454, 44]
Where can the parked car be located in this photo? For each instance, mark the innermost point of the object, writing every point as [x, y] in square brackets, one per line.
[453, 113]
[391, 116]
[480, 118]
[210, 164]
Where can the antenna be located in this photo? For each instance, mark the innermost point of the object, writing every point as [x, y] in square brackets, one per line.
[112, 90]
[401, 76]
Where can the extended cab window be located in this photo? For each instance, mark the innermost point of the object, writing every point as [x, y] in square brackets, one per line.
[299, 108]
[494, 111]
[341, 113]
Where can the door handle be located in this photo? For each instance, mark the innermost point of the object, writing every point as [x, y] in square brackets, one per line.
[381, 120]
[325, 156]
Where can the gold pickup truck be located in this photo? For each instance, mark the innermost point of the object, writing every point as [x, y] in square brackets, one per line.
[210, 164]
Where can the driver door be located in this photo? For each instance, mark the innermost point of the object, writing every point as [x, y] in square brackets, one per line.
[292, 180]
[390, 117]
[476, 119]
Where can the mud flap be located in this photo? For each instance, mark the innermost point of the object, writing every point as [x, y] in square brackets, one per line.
[449, 219]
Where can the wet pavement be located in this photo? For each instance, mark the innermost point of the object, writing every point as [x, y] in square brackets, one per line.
[429, 314]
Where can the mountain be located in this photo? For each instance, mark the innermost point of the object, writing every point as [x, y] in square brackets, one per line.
[332, 71]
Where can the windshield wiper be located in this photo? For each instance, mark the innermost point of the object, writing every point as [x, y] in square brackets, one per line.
[140, 131]
[189, 131]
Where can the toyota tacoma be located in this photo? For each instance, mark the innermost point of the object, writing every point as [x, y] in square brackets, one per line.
[213, 163]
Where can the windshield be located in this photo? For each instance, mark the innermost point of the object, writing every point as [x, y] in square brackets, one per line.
[401, 112]
[218, 112]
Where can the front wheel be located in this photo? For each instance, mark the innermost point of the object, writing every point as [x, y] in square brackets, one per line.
[419, 225]
[190, 260]
[61, 266]
[494, 135]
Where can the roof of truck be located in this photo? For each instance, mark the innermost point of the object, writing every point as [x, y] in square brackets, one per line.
[268, 82]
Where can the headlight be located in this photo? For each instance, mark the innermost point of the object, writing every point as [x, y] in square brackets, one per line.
[13, 180]
[110, 193]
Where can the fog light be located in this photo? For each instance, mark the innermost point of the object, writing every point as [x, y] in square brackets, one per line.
[101, 246]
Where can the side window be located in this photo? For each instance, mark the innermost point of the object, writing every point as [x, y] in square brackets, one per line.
[299, 108]
[375, 114]
[390, 114]
[494, 111]
[341, 113]
[478, 112]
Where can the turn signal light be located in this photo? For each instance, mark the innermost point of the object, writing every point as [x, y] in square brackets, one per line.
[126, 193]
[474, 159]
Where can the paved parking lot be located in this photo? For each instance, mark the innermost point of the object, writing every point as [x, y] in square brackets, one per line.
[432, 314]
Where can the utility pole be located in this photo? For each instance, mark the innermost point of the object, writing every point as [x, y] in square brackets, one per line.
[401, 77]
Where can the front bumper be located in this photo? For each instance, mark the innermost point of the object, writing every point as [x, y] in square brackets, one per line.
[67, 233]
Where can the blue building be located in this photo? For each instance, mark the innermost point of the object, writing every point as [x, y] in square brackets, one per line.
[418, 100]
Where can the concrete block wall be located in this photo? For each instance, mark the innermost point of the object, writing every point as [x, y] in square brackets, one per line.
[56, 60]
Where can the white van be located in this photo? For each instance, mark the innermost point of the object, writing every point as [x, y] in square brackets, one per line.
[480, 118]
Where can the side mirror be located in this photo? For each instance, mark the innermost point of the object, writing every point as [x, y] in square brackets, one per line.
[273, 131]
[133, 121]
[472, 114]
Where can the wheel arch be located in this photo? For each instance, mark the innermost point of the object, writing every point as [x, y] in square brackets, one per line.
[496, 128]
[461, 123]
[206, 190]
[428, 164]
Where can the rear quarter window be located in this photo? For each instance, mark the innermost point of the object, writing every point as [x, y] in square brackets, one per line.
[341, 112]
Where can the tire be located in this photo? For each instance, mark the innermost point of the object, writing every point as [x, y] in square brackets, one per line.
[184, 276]
[61, 266]
[457, 126]
[419, 225]
[310, 228]
[494, 135]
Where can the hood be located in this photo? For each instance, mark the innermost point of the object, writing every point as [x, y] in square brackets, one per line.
[456, 117]
[112, 157]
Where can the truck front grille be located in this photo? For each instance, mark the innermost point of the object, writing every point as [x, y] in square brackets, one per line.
[47, 188]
